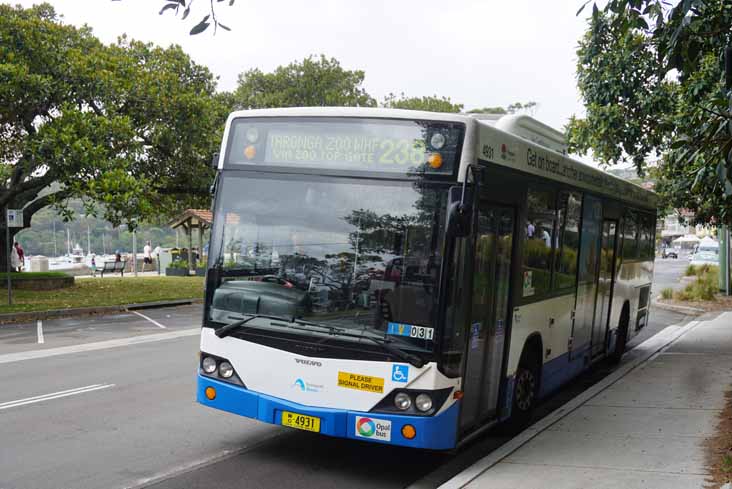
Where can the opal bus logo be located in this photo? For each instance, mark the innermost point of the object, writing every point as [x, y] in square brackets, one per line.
[374, 429]
[366, 427]
[299, 383]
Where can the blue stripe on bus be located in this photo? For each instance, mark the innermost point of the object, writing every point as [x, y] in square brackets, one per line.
[560, 370]
[433, 432]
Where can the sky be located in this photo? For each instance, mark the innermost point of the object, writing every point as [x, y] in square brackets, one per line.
[479, 53]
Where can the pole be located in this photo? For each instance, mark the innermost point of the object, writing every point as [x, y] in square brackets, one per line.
[88, 240]
[9, 252]
[55, 251]
[728, 87]
[134, 252]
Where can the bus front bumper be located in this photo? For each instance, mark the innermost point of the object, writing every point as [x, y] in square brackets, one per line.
[432, 432]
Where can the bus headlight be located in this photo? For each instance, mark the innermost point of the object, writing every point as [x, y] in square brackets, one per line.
[402, 401]
[437, 141]
[226, 370]
[209, 365]
[423, 402]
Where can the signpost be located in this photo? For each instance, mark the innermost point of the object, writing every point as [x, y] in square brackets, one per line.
[13, 219]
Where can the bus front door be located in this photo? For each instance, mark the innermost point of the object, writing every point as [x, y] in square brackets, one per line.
[588, 265]
[604, 287]
[489, 315]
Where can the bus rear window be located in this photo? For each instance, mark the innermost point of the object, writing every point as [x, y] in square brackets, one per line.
[374, 145]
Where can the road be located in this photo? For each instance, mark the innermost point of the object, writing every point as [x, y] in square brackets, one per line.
[109, 402]
[667, 273]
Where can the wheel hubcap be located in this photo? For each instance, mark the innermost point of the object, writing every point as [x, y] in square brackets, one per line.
[525, 389]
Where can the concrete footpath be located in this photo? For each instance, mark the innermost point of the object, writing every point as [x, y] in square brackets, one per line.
[643, 427]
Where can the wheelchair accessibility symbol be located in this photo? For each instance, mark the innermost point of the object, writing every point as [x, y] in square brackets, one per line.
[400, 373]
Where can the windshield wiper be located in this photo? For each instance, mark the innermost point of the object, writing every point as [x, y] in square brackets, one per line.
[384, 343]
[397, 352]
[330, 329]
[226, 330]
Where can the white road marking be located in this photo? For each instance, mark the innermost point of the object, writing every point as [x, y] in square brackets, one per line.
[54, 395]
[149, 319]
[98, 345]
[39, 326]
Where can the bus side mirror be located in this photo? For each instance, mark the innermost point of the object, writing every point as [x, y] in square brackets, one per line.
[215, 161]
[459, 214]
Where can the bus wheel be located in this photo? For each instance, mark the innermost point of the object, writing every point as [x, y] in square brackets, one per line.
[617, 354]
[525, 390]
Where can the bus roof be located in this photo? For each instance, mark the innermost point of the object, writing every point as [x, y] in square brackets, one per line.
[518, 142]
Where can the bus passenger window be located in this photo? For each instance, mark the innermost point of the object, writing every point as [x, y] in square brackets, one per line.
[646, 245]
[540, 237]
[630, 236]
[565, 269]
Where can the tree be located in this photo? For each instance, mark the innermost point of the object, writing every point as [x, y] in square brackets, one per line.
[314, 82]
[651, 78]
[530, 107]
[129, 125]
[489, 110]
[175, 7]
[429, 103]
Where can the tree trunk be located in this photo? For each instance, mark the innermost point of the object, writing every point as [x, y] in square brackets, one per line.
[4, 249]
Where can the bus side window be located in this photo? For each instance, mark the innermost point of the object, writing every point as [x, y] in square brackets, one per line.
[565, 269]
[540, 238]
[630, 236]
[646, 241]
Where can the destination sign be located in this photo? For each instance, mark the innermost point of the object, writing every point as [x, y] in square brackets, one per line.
[347, 144]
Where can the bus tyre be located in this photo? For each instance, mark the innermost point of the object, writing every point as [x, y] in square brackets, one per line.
[617, 354]
[525, 390]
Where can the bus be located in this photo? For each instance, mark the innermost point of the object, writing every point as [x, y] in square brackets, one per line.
[412, 278]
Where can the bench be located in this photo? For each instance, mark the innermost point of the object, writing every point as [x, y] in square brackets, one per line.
[114, 266]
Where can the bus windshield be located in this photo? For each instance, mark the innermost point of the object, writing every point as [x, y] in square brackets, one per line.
[351, 255]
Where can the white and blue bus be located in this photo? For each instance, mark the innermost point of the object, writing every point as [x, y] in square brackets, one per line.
[412, 278]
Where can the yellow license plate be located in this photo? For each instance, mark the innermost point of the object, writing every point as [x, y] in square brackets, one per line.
[301, 421]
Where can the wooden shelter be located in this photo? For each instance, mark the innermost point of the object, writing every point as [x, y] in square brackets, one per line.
[190, 219]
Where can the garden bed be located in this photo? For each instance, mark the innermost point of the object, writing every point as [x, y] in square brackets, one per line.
[38, 280]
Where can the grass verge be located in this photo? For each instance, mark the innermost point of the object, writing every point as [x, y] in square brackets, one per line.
[93, 292]
[704, 288]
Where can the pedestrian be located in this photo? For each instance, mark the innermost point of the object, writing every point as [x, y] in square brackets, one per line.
[146, 255]
[156, 253]
[117, 256]
[21, 255]
[14, 259]
[93, 266]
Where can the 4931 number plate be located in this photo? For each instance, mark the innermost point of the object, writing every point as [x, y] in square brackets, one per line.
[300, 421]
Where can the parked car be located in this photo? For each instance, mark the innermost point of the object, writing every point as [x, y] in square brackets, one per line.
[705, 258]
[667, 253]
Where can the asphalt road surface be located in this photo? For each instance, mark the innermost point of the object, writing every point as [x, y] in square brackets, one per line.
[108, 402]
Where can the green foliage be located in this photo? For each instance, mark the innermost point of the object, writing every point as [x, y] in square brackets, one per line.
[667, 293]
[690, 271]
[489, 110]
[704, 288]
[651, 76]
[180, 6]
[179, 264]
[314, 82]
[513, 108]
[130, 125]
[102, 236]
[430, 104]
